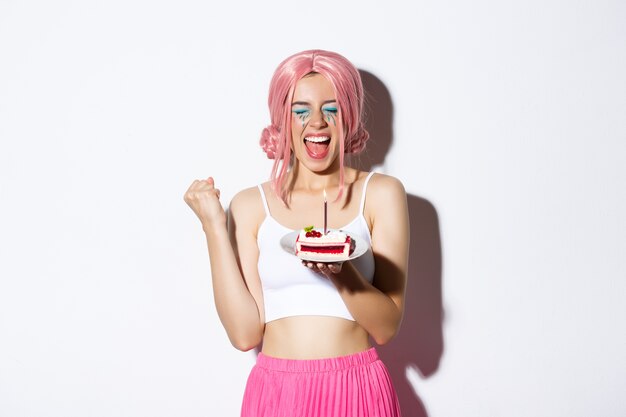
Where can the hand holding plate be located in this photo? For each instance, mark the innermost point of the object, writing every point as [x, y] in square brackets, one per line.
[325, 268]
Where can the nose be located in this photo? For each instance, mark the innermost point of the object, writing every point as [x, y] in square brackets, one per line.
[317, 119]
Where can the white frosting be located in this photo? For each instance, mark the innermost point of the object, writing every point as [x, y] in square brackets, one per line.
[333, 236]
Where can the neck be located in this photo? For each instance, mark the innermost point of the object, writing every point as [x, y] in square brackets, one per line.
[303, 179]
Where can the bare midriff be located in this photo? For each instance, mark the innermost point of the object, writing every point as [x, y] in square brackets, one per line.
[313, 337]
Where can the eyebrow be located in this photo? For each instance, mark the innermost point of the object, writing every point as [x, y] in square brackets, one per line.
[306, 103]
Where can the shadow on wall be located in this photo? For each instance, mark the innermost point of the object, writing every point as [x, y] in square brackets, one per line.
[419, 344]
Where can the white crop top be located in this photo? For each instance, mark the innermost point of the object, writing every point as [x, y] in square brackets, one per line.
[291, 289]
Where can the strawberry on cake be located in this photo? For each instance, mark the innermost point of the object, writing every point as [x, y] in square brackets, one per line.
[332, 246]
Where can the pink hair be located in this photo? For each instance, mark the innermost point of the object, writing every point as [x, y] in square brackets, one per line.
[348, 88]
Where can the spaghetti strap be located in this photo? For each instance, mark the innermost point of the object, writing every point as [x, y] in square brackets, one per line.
[362, 207]
[265, 206]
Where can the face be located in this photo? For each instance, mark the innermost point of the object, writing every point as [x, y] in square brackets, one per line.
[314, 123]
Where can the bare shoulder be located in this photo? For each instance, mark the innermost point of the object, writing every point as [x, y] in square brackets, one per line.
[246, 197]
[383, 187]
[388, 209]
[246, 207]
[386, 201]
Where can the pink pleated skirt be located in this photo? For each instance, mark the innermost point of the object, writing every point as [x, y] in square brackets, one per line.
[356, 385]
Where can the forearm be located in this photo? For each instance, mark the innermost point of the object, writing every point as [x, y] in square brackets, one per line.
[374, 310]
[235, 305]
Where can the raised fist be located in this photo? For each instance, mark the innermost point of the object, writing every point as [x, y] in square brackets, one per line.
[204, 200]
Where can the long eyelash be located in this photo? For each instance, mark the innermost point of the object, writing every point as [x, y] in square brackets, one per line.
[302, 115]
[330, 113]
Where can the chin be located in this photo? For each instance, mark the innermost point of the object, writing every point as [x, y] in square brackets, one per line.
[321, 166]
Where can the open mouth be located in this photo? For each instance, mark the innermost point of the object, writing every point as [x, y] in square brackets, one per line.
[317, 146]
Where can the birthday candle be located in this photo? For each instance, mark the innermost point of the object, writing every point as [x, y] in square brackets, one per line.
[325, 213]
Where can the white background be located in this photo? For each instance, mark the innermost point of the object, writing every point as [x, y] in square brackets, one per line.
[507, 119]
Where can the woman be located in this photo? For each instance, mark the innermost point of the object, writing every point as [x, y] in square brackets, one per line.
[314, 320]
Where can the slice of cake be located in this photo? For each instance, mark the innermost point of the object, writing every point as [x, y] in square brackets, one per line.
[314, 244]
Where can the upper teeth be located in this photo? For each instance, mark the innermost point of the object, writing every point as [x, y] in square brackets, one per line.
[317, 138]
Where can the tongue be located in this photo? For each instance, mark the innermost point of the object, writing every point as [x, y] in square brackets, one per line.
[316, 148]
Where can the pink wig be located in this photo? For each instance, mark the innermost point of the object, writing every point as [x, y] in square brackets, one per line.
[348, 88]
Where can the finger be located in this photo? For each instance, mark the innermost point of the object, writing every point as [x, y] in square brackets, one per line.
[192, 186]
[330, 268]
[324, 269]
[315, 268]
[209, 181]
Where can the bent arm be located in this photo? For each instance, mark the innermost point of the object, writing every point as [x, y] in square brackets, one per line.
[379, 307]
[237, 295]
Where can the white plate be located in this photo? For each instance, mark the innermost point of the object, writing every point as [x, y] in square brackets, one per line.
[288, 243]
